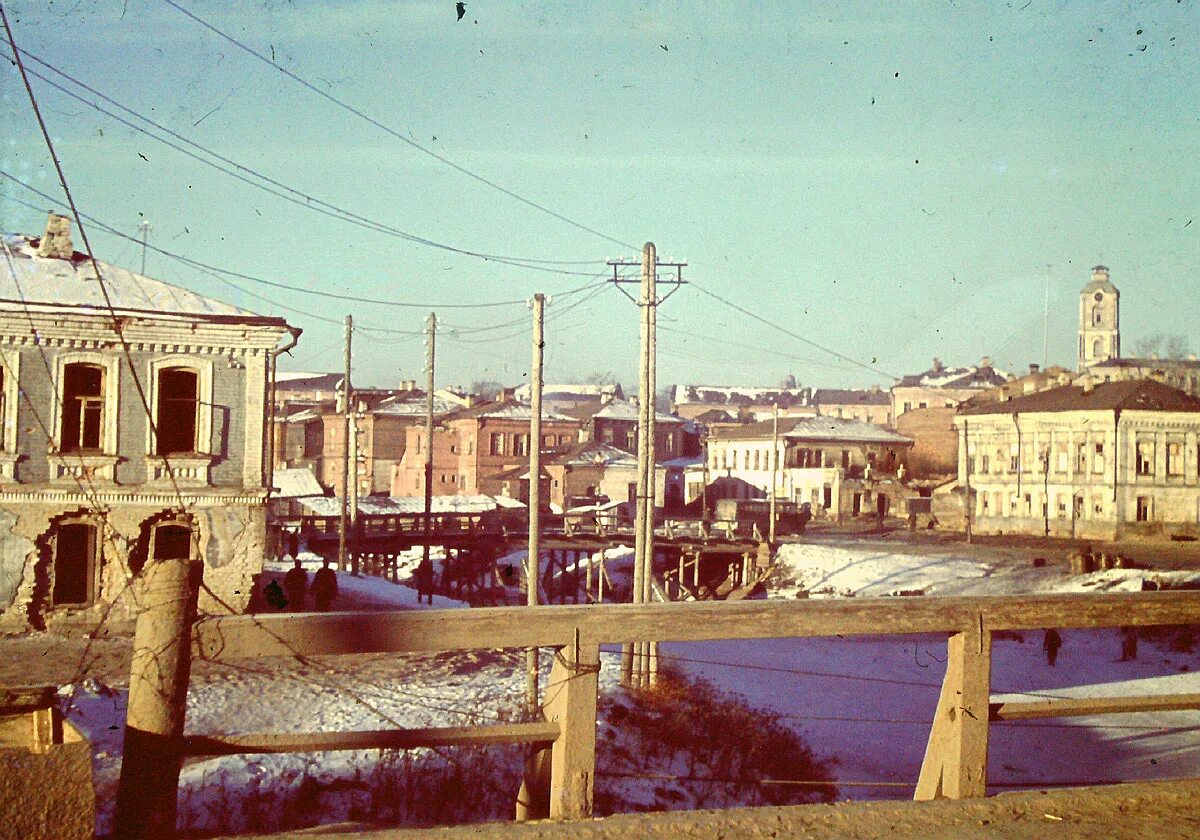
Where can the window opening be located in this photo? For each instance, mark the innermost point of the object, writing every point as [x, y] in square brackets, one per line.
[82, 407]
[178, 406]
[74, 563]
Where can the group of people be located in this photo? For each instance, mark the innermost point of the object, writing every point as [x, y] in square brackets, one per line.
[296, 587]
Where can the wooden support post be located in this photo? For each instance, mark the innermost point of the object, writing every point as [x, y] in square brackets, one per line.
[955, 765]
[696, 570]
[158, 683]
[570, 769]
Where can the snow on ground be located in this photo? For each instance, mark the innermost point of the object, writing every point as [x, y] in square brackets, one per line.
[366, 591]
[824, 570]
[617, 563]
[867, 703]
[863, 704]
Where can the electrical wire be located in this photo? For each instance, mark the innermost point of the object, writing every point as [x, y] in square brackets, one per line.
[787, 332]
[392, 132]
[273, 186]
[213, 270]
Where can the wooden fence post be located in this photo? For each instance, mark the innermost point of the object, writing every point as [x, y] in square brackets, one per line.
[955, 765]
[570, 769]
[158, 683]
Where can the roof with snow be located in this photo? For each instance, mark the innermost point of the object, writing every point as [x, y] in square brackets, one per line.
[1128, 395]
[739, 395]
[814, 429]
[625, 410]
[508, 410]
[1151, 363]
[53, 284]
[844, 396]
[295, 483]
[407, 505]
[414, 407]
[939, 376]
[300, 380]
[593, 453]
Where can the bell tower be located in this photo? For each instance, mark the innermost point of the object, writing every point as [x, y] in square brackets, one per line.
[1099, 320]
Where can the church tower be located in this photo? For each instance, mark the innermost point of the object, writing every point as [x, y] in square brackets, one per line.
[1099, 320]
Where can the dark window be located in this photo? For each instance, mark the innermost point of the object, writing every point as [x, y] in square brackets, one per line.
[172, 542]
[1143, 508]
[497, 444]
[74, 564]
[520, 444]
[82, 407]
[178, 404]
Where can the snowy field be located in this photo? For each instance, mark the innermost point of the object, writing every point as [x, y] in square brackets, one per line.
[863, 705]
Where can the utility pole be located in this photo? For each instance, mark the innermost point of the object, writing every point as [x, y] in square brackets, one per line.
[430, 340]
[636, 664]
[774, 472]
[532, 561]
[347, 409]
[968, 506]
[352, 488]
[144, 229]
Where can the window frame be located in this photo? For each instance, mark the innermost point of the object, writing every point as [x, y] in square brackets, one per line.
[94, 563]
[110, 390]
[203, 368]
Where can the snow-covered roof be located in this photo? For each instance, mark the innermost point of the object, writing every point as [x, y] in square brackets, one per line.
[516, 411]
[295, 483]
[593, 453]
[52, 284]
[407, 505]
[980, 376]
[625, 410]
[722, 394]
[413, 407]
[812, 429]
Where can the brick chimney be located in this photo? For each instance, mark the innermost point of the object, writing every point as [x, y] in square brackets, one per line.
[937, 364]
[1034, 367]
[56, 241]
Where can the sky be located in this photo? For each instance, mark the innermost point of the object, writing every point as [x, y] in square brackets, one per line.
[891, 182]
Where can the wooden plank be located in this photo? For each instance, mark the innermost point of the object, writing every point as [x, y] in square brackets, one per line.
[398, 739]
[1077, 707]
[570, 702]
[507, 627]
[955, 764]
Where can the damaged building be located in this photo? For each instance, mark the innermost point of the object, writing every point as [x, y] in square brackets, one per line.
[134, 428]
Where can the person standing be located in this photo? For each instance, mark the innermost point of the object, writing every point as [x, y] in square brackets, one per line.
[324, 587]
[1051, 643]
[295, 582]
[1129, 642]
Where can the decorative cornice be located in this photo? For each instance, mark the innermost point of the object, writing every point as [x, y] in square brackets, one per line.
[50, 495]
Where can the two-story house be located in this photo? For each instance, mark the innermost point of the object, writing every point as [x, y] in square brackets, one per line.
[1096, 460]
[134, 428]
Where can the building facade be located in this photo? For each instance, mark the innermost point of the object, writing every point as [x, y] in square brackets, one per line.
[1093, 461]
[842, 468]
[870, 405]
[134, 429]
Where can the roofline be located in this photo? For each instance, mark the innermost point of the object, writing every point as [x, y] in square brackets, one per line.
[217, 318]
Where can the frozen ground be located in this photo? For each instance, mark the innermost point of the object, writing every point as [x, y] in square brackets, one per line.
[862, 704]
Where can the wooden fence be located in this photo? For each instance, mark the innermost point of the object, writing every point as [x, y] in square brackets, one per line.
[955, 763]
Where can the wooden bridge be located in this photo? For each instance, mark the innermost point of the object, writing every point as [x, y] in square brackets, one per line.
[561, 787]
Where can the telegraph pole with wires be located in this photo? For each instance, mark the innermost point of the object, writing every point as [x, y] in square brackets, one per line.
[636, 659]
[430, 339]
[774, 473]
[346, 406]
[533, 558]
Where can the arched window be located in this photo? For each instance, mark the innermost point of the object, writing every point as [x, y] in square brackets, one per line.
[1098, 348]
[76, 564]
[1097, 316]
[82, 407]
[176, 420]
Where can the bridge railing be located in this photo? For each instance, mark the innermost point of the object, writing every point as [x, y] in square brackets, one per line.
[955, 762]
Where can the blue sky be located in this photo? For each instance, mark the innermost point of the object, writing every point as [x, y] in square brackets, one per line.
[892, 182]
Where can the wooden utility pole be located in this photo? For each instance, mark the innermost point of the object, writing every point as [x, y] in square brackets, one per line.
[968, 506]
[144, 229]
[430, 341]
[636, 664]
[532, 562]
[774, 471]
[352, 488]
[158, 682]
[347, 409]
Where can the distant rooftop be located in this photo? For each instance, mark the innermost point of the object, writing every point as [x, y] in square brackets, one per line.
[1127, 395]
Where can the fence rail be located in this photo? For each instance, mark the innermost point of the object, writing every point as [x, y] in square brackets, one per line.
[559, 784]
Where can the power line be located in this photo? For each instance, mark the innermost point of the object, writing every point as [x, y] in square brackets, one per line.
[211, 269]
[786, 331]
[116, 321]
[396, 134]
[282, 190]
